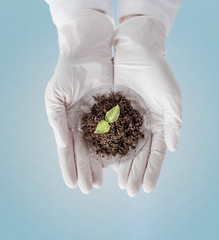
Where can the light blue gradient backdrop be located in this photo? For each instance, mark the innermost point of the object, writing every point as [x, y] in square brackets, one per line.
[35, 203]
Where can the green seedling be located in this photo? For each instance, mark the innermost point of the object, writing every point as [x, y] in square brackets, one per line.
[111, 116]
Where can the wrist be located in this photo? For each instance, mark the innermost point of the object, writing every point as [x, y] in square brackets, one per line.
[87, 35]
[139, 37]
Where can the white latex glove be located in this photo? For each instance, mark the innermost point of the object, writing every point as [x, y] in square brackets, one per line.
[139, 63]
[85, 62]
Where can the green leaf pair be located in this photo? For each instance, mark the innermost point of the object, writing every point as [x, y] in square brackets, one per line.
[111, 116]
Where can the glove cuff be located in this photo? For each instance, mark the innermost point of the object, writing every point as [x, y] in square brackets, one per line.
[88, 35]
[138, 37]
[62, 10]
[164, 10]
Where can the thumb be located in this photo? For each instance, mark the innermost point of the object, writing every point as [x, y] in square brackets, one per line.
[55, 108]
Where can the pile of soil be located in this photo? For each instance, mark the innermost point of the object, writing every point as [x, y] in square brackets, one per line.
[123, 134]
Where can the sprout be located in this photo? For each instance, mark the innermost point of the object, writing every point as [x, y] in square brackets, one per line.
[111, 116]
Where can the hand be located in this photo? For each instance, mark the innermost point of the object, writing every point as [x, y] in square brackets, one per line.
[84, 63]
[139, 63]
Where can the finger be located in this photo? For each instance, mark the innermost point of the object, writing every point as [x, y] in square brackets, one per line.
[123, 173]
[172, 123]
[84, 170]
[155, 161]
[137, 170]
[67, 164]
[97, 173]
[63, 135]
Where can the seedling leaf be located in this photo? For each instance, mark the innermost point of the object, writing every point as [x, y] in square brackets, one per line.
[102, 127]
[113, 114]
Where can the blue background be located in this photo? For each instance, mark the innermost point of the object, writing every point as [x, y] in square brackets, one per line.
[35, 203]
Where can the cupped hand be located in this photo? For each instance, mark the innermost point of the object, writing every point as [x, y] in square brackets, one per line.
[139, 63]
[85, 62]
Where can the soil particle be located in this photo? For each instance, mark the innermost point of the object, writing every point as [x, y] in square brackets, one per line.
[123, 134]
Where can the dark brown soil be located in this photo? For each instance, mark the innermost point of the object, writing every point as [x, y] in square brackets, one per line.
[123, 134]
